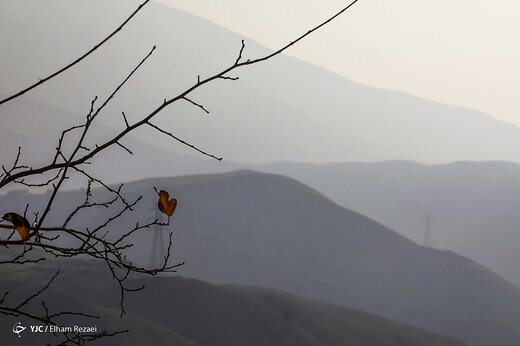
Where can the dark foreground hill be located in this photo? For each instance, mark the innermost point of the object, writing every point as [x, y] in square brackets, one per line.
[266, 230]
[178, 311]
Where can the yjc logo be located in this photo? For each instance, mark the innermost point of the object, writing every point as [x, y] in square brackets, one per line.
[18, 328]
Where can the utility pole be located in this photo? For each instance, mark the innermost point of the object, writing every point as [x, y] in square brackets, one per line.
[157, 249]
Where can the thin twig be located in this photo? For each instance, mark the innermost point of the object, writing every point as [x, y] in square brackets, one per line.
[184, 142]
[43, 80]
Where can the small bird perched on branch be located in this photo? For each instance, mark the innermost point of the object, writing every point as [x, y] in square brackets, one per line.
[166, 205]
[20, 223]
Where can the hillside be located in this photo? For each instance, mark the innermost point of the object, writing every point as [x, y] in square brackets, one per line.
[266, 230]
[175, 311]
[473, 204]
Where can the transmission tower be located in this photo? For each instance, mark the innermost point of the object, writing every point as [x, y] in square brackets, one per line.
[157, 249]
[428, 226]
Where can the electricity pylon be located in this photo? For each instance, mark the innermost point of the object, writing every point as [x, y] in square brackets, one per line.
[428, 226]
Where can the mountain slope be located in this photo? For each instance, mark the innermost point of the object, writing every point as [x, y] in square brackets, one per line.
[174, 311]
[285, 109]
[473, 204]
[266, 230]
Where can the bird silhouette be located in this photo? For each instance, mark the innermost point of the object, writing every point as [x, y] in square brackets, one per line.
[20, 223]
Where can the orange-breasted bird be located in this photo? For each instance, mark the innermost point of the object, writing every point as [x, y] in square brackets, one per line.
[20, 223]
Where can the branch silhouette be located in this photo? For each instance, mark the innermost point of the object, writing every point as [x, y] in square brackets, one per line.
[78, 60]
[68, 240]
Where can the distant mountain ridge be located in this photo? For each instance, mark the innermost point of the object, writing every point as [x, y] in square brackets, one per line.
[36, 127]
[473, 205]
[285, 109]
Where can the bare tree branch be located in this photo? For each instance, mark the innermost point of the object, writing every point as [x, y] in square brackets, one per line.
[197, 105]
[99, 242]
[43, 80]
[184, 142]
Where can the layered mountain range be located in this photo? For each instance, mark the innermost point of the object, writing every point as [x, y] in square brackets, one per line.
[267, 230]
[345, 238]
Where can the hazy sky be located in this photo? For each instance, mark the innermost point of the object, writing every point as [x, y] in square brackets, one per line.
[462, 52]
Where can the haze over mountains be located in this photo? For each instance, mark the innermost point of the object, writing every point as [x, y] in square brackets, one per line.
[285, 109]
[257, 229]
[474, 205]
[267, 230]
[35, 127]
[397, 194]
